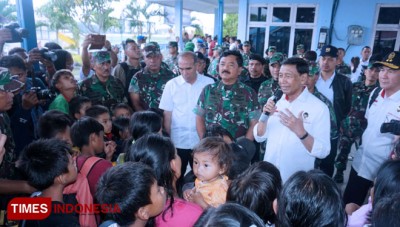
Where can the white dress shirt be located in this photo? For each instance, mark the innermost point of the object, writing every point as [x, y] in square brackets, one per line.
[180, 98]
[284, 148]
[324, 86]
[376, 146]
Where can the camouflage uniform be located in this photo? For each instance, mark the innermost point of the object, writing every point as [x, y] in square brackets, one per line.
[212, 69]
[150, 86]
[246, 59]
[343, 69]
[232, 107]
[334, 130]
[353, 126]
[172, 62]
[107, 94]
[267, 89]
[7, 167]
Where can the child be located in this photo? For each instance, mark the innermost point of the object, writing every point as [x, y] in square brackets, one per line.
[212, 158]
[78, 106]
[49, 167]
[120, 130]
[55, 124]
[133, 187]
[102, 115]
[63, 83]
[87, 135]
[257, 188]
[122, 110]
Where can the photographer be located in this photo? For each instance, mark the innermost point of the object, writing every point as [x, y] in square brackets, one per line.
[377, 144]
[26, 108]
[87, 68]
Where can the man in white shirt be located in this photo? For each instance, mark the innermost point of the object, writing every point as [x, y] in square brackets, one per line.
[178, 100]
[298, 126]
[338, 89]
[376, 146]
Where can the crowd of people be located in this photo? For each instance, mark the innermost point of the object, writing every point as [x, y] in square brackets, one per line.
[210, 135]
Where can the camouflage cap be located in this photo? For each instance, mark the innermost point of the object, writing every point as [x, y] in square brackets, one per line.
[391, 60]
[189, 46]
[101, 56]
[151, 48]
[272, 48]
[313, 69]
[246, 43]
[300, 47]
[276, 58]
[8, 84]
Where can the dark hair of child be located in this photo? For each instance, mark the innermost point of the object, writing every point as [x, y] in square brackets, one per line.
[53, 122]
[82, 129]
[129, 186]
[217, 147]
[43, 160]
[257, 188]
[96, 110]
[144, 122]
[76, 104]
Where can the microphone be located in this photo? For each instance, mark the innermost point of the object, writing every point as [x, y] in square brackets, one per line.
[277, 95]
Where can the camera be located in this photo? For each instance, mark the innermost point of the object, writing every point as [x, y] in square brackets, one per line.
[48, 55]
[392, 127]
[17, 33]
[44, 94]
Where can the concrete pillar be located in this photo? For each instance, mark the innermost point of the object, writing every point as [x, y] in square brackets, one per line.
[178, 22]
[26, 20]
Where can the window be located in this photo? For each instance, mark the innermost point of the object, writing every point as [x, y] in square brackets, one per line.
[287, 25]
[387, 34]
[302, 36]
[258, 13]
[305, 15]
[257, 39]
[388, 15]
[279, 36]
[281, 14]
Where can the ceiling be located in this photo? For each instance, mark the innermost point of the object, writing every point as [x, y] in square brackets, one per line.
[203, 6]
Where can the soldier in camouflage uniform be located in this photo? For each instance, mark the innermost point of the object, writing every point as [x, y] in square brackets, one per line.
[355, 123]
[312, 80]
[228, 103]
[212, 69]
[246, 53]
[341, 66]
[172, 59]
[8, 157]
[268, 87]
[147, 85]
[102, 88]
[299, 51]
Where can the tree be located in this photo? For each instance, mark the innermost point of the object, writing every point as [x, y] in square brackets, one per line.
[140, 15]
[231, 24]
[57, 13]
[8, 12]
